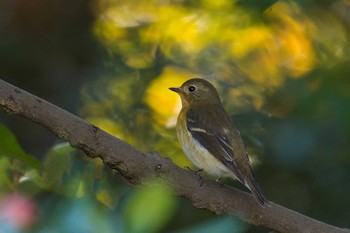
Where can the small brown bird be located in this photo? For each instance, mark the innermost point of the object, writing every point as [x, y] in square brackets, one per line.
[209, 138]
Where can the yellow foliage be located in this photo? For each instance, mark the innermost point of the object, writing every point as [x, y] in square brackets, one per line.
[112, 127]
[217, 5]
[108, 30]
[291, 43]
[165, 104]
[175, 27]
[280, 47]
[249, 39]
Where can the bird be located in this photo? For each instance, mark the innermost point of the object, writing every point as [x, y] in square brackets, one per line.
[210, 139]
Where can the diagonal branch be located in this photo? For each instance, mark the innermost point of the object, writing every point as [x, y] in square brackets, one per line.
[138, 167]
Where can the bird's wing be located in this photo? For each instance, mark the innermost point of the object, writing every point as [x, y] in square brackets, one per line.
[213, 136]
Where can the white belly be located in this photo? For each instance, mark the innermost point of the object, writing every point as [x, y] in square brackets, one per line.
[201, 157]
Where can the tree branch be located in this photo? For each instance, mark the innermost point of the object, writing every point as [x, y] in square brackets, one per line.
[138, 167]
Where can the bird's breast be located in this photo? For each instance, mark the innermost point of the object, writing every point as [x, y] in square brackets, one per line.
[198, 155]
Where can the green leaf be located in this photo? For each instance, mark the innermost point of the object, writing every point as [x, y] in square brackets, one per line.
[10, 148]
[58, 163]
[149, 209]
[5, 180]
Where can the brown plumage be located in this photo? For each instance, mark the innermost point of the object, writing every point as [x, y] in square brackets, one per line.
[209, 138]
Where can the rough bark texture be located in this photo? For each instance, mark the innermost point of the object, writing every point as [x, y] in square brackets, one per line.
[138, 167]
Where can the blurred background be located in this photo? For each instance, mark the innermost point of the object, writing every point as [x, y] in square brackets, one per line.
[281, 67]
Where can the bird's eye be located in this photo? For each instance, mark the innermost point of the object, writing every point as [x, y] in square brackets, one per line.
[192, 88]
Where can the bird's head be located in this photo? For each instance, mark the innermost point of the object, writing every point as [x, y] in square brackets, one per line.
[197, 91]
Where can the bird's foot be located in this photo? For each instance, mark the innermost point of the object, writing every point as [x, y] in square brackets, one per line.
[218, 179]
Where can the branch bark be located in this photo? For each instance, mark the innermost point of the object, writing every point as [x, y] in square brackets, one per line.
[138, 167]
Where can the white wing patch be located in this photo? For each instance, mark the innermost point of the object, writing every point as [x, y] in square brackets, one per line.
[199, 130]
[224, 141]
[228, 157]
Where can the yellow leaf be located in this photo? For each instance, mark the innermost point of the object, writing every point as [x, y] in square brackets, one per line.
[166, 104]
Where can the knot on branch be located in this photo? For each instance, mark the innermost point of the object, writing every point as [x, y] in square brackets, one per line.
[10, 105]
[162, 167]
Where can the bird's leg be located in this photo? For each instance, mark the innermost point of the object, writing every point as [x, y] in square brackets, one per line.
[218, 179]
[194, 171]
[197, 172]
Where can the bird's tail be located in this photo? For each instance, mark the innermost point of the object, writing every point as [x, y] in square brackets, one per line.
[256, 191]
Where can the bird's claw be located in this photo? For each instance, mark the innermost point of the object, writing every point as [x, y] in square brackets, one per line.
[218, 179]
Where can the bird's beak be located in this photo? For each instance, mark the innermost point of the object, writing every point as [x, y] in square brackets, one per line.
[175, 89]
